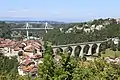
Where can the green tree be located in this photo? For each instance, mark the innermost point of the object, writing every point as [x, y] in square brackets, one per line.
[5, 30]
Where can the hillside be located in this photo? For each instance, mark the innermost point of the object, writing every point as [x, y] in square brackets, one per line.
[96, 30]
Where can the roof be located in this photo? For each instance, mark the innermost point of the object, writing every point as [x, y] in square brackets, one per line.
[36, 56]
[29, 45]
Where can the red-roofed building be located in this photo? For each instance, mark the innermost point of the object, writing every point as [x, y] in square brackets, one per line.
[28, 53]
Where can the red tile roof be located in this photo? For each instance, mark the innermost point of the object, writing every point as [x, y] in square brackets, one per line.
[17, 45]
[36, 56]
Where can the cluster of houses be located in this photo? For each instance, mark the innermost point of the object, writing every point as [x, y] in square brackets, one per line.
[29, 53]
[90, 28]
[86, 28]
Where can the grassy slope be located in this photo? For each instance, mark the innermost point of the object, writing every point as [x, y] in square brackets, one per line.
[111, 53]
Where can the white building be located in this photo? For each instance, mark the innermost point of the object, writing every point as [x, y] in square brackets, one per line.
[69, 30]
[87, 29]
[99, 27]
[115, 40]
[61, 29]
[78, 28]
[92, 28]
[118, 20]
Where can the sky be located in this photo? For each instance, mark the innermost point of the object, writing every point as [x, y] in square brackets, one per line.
[59, 10]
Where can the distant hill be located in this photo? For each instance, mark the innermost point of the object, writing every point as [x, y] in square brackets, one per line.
[40, 22]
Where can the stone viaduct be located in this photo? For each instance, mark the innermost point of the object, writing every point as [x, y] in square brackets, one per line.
[72, 47]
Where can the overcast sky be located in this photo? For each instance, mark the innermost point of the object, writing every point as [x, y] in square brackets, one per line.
[58, 10]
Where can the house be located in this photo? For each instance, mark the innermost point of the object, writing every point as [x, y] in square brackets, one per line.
[69, 30]
[99, 27]
[118, 20]
[61, 29]
[5, 46]
[92, 28]
[106, 23]
[78, 28]
[115, 40]
[87, 29]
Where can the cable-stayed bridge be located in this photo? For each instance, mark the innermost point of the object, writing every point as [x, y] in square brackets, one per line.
[27, 27]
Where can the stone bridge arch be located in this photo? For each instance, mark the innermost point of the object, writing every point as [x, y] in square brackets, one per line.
[77, 51]
[103, 46]
[94, 48]
[69, 50]
[86, 49]
[80, 49]
[59, 50]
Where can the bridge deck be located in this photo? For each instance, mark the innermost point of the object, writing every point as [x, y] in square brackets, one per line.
[85, 43]
[30, 28]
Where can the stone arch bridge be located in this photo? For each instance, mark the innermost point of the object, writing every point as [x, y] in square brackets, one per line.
[86, 48]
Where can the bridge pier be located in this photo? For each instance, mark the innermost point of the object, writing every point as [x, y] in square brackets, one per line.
[54, 51]
[64, 48]
[98, 48]
[81, 51]
[90, 50]
[73, 50]
[27, 33]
